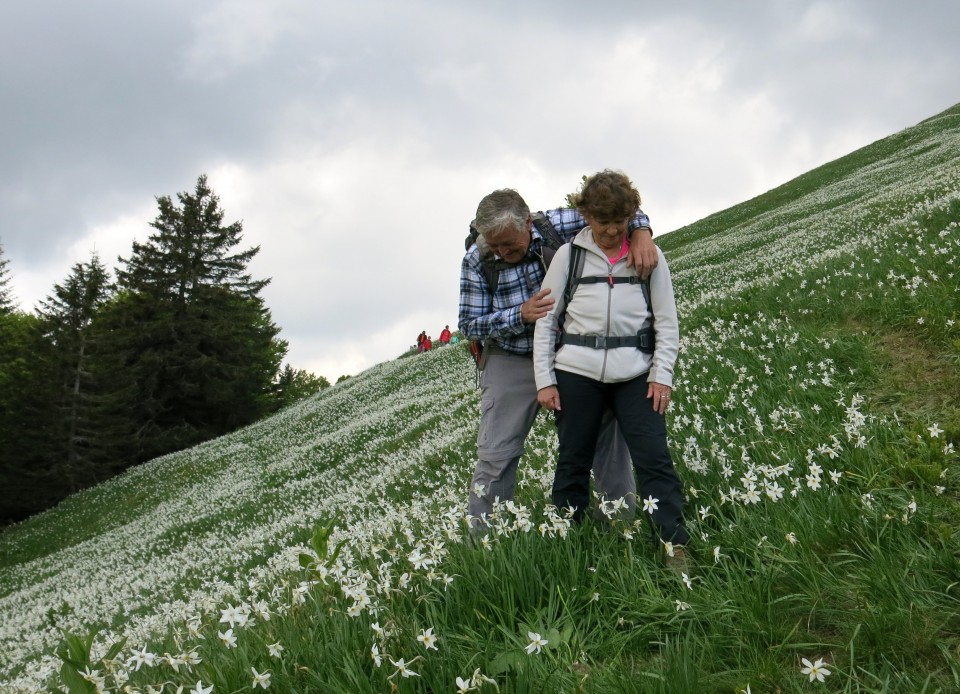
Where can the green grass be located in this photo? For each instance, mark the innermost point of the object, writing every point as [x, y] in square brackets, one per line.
[815, 426]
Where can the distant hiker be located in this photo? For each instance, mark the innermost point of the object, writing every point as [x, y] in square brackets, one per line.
[445, 335]
[503, 317]
[608, 357]
[427, 344]
[420, 340]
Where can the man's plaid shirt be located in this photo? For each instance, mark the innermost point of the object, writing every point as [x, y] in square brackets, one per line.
[497, 318]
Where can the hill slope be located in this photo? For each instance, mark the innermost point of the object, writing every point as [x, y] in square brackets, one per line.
[814, 425]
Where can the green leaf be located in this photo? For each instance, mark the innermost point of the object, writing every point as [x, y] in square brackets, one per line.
[75, 683]
[319, 541]
[77, 649]
[336, 552]
[510, 660]
[306, 561]
[115, 649]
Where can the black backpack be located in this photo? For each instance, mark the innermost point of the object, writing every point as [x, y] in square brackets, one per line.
[491, 266]
[644, 340]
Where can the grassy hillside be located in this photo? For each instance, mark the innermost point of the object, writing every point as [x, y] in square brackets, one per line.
[815, 425]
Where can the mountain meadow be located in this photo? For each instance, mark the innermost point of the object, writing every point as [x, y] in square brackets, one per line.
[815, 426]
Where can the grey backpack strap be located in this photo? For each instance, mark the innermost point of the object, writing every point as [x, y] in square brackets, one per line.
[645, 286]
[574, 270]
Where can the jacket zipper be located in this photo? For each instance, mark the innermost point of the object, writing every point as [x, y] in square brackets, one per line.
[606, 330]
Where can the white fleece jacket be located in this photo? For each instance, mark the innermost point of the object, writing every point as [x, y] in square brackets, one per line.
[608, 310]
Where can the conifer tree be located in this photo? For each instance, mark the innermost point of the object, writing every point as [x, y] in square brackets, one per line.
[6, 294]
[83, 457]
[190, 329]
[293, 385]
[190, 251]
[27, 415]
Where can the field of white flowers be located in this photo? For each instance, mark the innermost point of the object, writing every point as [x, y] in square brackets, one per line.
[813, 426]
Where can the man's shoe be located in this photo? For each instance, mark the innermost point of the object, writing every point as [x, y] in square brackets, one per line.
[680, 562]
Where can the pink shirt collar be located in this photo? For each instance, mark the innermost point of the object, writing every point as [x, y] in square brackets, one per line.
[624, 250]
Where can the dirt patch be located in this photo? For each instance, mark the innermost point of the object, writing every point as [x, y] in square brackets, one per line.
[915, 377]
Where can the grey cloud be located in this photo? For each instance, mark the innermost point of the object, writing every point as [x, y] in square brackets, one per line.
[373, 120]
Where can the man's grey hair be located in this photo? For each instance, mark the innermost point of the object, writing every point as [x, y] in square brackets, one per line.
[500, 210]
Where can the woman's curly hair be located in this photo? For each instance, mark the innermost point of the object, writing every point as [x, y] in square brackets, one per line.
[607, 196]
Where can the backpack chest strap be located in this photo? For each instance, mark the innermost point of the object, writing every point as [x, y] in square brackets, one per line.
[644, 340]
[608, 279]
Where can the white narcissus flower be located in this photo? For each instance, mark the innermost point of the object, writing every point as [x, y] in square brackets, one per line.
[536, 642]
[275, 649]
[191, 658]
[402, 668]
[418, 559]
[650, 504]
[200, 689]
[142, 657]
[428, 639]
[232, 615]
[227, 638]
[260, 679]
[478, 679]
[815, 670]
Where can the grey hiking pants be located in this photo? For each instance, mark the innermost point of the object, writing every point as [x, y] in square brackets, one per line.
[508, 407]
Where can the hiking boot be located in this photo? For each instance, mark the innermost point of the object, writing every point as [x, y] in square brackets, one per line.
[680, 562]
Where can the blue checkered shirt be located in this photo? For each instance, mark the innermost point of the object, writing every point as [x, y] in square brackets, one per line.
[497, 318]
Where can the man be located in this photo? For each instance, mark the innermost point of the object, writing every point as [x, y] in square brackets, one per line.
[504, 320]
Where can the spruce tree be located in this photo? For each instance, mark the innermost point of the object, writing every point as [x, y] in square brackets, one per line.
[293, 385]
[27, 415]
[85, 446]
[190, 329]
[6, 293]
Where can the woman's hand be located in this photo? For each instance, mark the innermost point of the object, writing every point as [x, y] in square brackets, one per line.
[549, 398]
[660, 394]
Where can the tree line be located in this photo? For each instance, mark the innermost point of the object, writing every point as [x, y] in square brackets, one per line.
[177, 349]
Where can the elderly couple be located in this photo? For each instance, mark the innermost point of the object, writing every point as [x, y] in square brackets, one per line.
[581, 349]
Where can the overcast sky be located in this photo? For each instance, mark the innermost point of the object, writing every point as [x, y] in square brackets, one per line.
[354, 139]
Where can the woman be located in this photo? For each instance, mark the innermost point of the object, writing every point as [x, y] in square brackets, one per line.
[593, 350]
